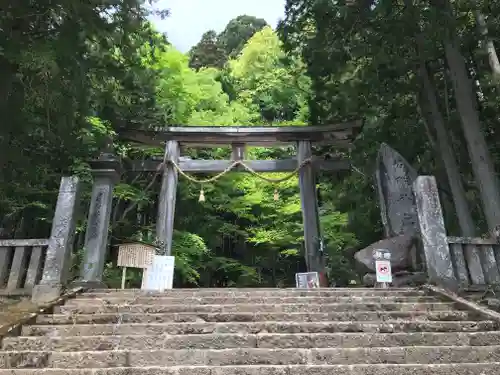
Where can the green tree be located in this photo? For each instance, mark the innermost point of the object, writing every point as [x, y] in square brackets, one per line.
[376, 74]
[237, 33]
[207, 53]
[272, 82]
[61, 64]
[74, 75]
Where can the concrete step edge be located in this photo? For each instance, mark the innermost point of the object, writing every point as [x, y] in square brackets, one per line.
[277, 293]
[256, 289]
[331, 322]
[440, 315]
[173, 368]
[266, 340]
[222, 335]
[293, 313]
[255, 296]
[258, 327]
[71, 304]
[373, 369]
[298, 299]
[175, 308]
[257, 350]
[229, 357]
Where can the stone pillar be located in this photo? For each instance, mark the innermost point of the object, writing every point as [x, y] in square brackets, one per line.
[58, 256]
[434, 238]
[168, 193]
[106, 172]
[308, 199]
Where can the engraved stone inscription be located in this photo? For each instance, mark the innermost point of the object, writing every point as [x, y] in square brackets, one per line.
[395, 178]
[96, 214]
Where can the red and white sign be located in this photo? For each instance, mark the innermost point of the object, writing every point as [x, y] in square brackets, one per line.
[384, 272]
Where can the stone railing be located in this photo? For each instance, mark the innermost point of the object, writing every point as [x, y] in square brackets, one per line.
[452, 262]
[21, 265]
[40, 267]
[475, 260]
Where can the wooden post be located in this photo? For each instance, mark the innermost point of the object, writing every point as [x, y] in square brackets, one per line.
[166, 204]
[434, 239]
[124, 276]
[238, 151]
[308, 198]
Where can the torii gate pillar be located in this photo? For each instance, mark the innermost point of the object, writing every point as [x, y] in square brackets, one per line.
[168, 194]
[309, 201]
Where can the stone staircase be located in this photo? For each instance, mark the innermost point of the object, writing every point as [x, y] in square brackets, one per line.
[255, 332]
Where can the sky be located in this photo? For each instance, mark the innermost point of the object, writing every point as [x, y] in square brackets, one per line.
[189, 19]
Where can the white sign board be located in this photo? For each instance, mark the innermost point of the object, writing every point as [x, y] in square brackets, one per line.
[160, 274]
[307, 280]
[381, 254]
[384, 272]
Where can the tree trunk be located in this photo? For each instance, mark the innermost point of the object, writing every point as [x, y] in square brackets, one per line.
[482, 164]
[488, 46]
[434, 118]
[466, 101]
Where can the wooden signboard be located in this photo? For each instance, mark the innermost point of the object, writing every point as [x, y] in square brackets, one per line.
[134, 255]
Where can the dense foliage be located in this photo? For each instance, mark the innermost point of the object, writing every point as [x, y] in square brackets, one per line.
[214, 50]
[72, 75]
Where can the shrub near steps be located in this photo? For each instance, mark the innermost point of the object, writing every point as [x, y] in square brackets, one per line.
[255, 331]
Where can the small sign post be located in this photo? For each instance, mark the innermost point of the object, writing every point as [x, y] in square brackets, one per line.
[134, 255]
[383, 269]
[307, 280]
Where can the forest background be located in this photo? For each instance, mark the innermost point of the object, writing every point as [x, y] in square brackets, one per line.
[422, 75]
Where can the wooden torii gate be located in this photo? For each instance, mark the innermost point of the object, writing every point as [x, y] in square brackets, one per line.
[304, 137]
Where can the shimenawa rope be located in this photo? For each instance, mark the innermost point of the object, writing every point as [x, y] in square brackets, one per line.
[228, 169]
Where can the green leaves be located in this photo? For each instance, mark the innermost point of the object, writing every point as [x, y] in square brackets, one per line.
[265, 79]
[207, 53]
[75, 75]
[190, 251]
[238, 32]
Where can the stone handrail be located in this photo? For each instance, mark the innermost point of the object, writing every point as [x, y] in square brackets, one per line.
[25, 312]
[475, 260]
[452, 263]
[21, 264]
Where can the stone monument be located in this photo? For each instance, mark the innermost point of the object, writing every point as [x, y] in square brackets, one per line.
[395, 178]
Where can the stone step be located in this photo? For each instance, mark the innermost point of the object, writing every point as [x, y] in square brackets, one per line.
[189, 300]
[271, 341]
[71, 308]
[114, 318]
[257, 327]
[251, 356]
[372, 369]
[325, 292]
